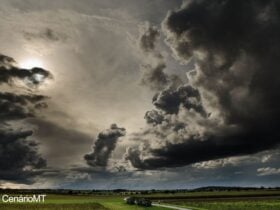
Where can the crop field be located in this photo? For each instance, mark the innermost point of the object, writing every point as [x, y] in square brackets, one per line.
[232, 200]
[230, 205]
[76, 202]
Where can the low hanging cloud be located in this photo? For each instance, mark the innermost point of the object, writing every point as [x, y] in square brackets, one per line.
[231, 107]
[104, 145]
[20, 160]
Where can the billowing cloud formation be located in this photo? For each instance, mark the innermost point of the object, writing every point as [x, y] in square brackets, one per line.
[9, 72]
[104, 145]
[153, 75]
[19, 157]
[20, 106]
[232, 103]
[170, 100]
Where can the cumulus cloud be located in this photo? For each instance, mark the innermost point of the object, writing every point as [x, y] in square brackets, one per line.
[170, 100]
[231, 107]
[154, 76]
[104, 145]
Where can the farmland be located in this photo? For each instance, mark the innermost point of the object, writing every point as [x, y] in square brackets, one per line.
[225, 200]
[204, 200]
[77, 202]
[230, 205]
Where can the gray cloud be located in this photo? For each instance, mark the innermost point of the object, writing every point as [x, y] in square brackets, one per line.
[47, 34]
[170, 100]
[14, 107]
[224, 104]
[6, 61]
[154, 117]
[51, 133]
[104, 145]
[268, 171]
[19, 156]
[149, 38]
[153, 74]
[19, 106]
[235, 83]
[9, 72]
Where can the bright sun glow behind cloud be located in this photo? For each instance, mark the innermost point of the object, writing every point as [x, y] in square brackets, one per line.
[31, 63]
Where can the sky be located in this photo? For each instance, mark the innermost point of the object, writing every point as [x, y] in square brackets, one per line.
[151, 94]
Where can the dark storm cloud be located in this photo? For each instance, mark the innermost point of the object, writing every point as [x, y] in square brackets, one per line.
[18, 106]
[196, 150]
[170, 100]
[9, 72]
[236, 47]
[35, 75]
[13, 107]
[104, 145]
[19, 157]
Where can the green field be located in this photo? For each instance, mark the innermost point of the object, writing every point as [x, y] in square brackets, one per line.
[234, 200]
[231, 200]
[230, 205]
[220, 194]
[77, 202]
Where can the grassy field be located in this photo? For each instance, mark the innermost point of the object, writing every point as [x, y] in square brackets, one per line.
[236, 200]
[231, 200]
[218, 194]
[230, 205]
[77, 202]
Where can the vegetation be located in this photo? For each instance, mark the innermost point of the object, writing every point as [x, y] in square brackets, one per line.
[206, 199]
[78, 202]
[88, 206]
[231, 205]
